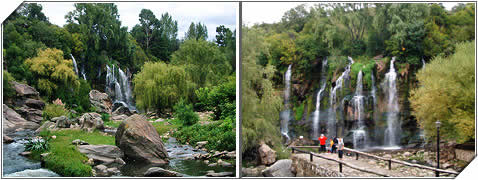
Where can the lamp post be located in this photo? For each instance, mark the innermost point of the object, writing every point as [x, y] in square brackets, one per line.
[438, 147]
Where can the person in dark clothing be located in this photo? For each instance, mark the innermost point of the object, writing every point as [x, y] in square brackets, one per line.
[334, 145]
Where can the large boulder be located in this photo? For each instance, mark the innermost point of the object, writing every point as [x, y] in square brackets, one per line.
[282, 168]
[140, 141]
[7, 139]
[107, 155]
[34, 103]
[100, 101]
[91, 121]
[13, 121]
[122, 110]
[160, 172]
[48, 125]
[267, 155]
[61, 122]
[118, 117]
[31, 114]
[24, 90]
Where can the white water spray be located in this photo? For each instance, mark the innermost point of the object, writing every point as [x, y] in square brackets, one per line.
[316, 120]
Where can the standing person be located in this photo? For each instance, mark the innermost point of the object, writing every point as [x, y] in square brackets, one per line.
[322, 140]
[334, 145]
[341, 147]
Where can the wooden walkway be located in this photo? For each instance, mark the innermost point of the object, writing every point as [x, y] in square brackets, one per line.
[368, 165]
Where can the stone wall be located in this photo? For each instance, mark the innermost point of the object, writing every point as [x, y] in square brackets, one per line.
[304, 168]
[464, 155]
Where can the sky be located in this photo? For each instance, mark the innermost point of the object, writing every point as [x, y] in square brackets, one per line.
[255, 13]
[212, 14]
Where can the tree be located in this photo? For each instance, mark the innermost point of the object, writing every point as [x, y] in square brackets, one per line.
[149, 23]
[446, 93]
[196, 31]
[260, 105]
[203, 61]
[175, 84]
[295, 18]
[53, 73]
[226, 40]
[33, 12]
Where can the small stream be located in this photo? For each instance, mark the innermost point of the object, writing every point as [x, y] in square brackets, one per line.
[180, 160]
[15, 165]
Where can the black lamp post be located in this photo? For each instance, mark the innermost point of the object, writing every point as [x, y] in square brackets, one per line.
[438, 147]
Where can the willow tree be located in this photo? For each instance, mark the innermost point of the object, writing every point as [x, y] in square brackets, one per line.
[447, 93]
[53, 73]
[261, 104]
[203, 61]
[158, 86]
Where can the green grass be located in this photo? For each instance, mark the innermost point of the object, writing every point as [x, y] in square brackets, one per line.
[114, 124]
[65, 159]
[162, 128]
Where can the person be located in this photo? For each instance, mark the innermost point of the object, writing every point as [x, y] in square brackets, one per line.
[334, 145]
[322, 140]
[340, 146]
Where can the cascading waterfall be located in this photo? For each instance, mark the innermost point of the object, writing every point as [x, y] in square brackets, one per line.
[121, 86]
[392, 131]
[359, 134]
[74, 64]
[423, 62]
[316, 120]
[331, 123]
[286, 116]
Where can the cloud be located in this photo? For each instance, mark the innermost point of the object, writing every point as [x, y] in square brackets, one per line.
[212, 14]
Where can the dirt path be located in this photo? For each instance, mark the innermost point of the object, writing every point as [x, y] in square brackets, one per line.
[370, 164]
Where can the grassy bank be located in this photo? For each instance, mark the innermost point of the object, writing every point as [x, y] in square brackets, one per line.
[64, 158]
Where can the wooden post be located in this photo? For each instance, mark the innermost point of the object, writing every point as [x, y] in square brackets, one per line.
[340, 167]
[390, 164]
[356, 156]
[311, 157]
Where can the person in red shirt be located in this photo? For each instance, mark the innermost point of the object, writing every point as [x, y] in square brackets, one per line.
[322, 140]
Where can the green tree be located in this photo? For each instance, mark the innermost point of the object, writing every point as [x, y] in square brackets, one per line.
[159, 86]
[226, 40]
[203, 61]
[446, 93]
[196, 31]
[149, 23]
[53, 74]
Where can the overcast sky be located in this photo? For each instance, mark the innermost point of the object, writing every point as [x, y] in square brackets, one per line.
[212, 14]
[271, 12]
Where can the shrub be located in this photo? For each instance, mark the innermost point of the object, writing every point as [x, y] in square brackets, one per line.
[185, 113]
[446, 93]
[220, 135]
[37, 144]
[54, 110]
[105, 117]
[220, 99]
[8, 91]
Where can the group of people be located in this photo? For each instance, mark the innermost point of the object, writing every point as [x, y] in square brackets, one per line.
[335, 144]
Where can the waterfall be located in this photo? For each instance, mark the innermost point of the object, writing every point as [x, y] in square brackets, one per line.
[74, 64]
[83, 74]
[359, 134]
[286, 116]
[331, 123]
[423, 62]
[392, 131]
[374, 91]
[118, 85]
[316, 120]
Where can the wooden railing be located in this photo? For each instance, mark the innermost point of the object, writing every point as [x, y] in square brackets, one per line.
[357, 153]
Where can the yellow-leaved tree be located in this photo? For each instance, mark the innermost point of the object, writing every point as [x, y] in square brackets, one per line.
[53, 74]
[447, 93]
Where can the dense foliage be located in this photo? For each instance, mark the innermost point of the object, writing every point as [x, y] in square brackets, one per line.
[220, 135]
[446, 94]
[185, 113]
[54, 110]
[220, 99]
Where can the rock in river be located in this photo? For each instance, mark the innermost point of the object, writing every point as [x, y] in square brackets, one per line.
[160, 172]
[140, 141]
